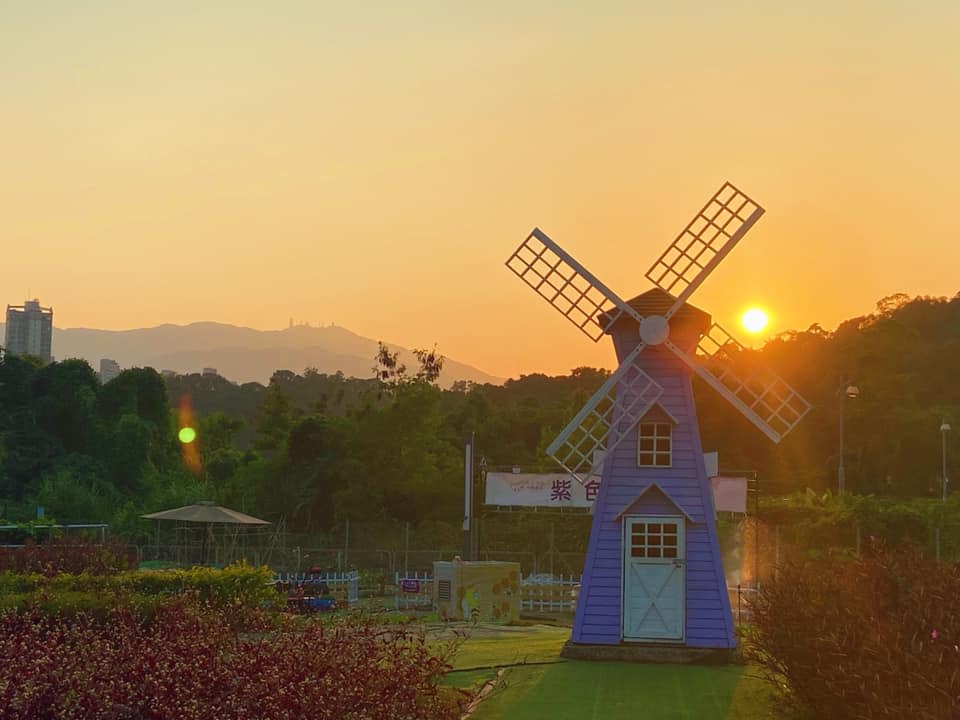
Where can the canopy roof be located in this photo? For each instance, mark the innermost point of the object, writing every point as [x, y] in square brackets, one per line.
[206, 511]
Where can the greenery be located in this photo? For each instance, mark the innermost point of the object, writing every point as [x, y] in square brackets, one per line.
[235, 586]
[875, 637]
[316, 450]
[536, 683]
[614, 691]
[86, 451]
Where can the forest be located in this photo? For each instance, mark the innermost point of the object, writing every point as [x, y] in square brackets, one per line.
[315, 449]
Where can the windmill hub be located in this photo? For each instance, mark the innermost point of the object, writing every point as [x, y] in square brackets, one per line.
[654, 329]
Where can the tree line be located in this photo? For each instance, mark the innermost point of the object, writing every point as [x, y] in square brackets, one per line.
[315, 449]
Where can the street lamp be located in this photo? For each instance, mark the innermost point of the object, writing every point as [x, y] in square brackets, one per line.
[944, 429]
[847, 391]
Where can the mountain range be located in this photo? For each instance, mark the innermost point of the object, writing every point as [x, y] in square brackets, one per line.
[240, 354]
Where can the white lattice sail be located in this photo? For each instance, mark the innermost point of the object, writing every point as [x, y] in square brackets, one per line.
[759, 393]
[703, 243]
[567, 285]
[605, 420]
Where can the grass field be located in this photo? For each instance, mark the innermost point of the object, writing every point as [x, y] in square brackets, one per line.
[536, 683]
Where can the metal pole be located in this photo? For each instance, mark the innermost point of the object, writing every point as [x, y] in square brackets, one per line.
[756, 532]
[406, 552]
[476, 519]
[776, 551]
[943, 446]
[346, 546]
[841, 472]
[551, 547]
[468, 498]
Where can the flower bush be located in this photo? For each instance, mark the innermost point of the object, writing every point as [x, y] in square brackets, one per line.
[876, 637]
[191, 663]
[68, 555]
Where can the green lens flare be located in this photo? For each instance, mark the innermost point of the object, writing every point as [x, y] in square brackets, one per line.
[187, 435]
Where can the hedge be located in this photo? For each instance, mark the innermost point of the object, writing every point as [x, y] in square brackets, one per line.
[239, 584]
[874, 638]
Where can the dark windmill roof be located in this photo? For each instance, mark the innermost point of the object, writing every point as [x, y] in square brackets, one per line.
[656, 302]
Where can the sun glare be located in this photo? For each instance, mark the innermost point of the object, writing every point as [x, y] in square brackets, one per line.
[754, 320]
[187, 435]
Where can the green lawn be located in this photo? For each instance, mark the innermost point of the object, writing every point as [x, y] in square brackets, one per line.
[601, 690]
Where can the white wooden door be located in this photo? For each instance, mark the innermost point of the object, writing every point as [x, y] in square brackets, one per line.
[653, 578]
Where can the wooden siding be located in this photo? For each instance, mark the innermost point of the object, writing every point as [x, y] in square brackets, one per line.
[709, 622]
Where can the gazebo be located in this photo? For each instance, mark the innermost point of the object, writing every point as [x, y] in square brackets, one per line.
[209, 534]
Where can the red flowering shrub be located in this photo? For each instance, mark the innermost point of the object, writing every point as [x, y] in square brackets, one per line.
[68, 555]
[190, 663]
[877, 637]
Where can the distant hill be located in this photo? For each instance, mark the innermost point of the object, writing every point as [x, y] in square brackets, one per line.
[240, 354]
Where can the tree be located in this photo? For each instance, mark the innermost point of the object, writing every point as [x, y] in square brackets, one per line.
[217, 432]
[392, 373]
[273, 420]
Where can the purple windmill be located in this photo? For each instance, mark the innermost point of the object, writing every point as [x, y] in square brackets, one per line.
[653, 572]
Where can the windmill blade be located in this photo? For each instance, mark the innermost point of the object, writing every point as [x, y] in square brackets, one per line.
[605, 420]
[567, 285]
[756, 391]
[703, 243]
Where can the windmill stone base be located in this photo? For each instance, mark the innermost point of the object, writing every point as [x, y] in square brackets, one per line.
[650, 653]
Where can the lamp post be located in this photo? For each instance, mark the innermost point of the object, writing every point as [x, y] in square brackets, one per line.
[944, 429]
[468, 497]
[847, 391]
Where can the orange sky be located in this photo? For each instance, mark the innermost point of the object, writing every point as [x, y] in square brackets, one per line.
[373, 164]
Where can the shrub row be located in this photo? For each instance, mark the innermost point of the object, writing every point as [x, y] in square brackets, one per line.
[68, 555]
[877, 637]
[239, 584]
[190, 663]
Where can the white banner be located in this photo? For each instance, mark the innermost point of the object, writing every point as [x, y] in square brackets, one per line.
[711, 461]
[561, 490]
[729, 494]
[540, 490]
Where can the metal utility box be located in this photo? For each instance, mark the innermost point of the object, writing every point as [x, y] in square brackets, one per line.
[477, 591]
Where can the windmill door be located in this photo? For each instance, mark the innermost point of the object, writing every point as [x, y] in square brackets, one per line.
[653, 578]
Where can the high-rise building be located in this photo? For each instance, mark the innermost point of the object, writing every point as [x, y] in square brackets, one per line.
[29, 330]
[109, 369]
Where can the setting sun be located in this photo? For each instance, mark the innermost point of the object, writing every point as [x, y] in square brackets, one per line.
[754, 320]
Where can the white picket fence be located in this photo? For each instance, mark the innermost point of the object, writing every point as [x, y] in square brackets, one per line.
[538, 593]
[339, 584]
[541, 593]
[741, 597]
[547, 593]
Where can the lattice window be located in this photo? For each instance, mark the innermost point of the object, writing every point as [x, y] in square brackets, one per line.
[655, 444]
[653, 540]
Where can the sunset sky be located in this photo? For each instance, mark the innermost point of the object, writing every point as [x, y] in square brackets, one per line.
[374, 164]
